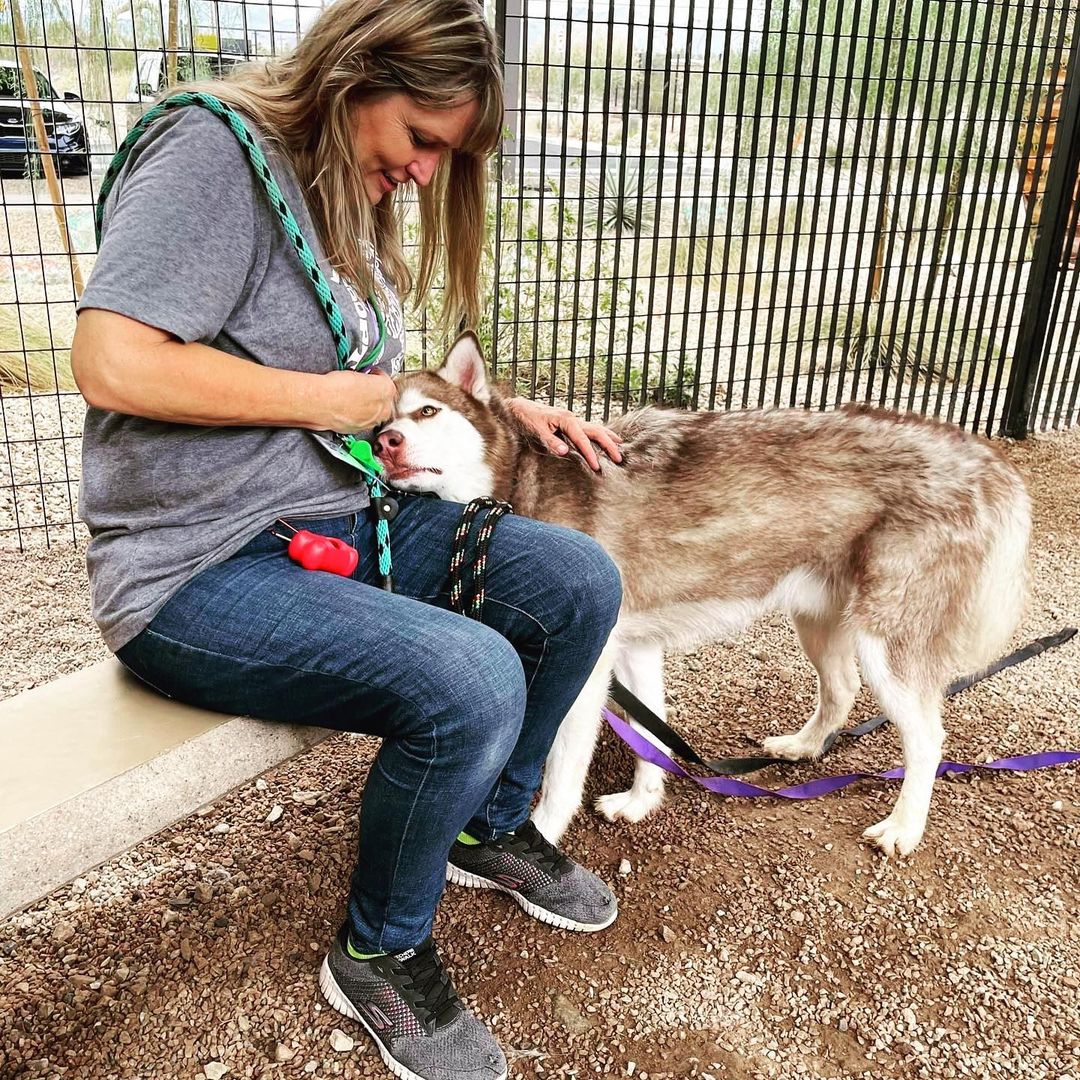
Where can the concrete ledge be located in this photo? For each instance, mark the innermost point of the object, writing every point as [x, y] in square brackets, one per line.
[94, 762]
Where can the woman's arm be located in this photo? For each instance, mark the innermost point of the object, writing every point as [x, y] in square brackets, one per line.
[125, 366]
[545, 421]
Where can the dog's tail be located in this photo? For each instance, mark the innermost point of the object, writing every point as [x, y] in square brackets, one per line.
[1000, 591]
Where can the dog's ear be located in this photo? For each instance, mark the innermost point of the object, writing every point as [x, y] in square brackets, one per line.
[464, 367]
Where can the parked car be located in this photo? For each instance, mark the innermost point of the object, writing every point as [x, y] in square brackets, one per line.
[150, 76]
[65, 127]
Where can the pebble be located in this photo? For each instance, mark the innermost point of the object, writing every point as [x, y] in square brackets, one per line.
[340, 1041]
[64, 932]
[222, 829]
[283, 1053]
[261, 784]
[667, 933]
[625, 868]
[275, 813]
[214, 1070]
[1057, 805]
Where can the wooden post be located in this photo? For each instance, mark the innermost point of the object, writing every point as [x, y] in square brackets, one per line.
[170, 45]
[31, 91]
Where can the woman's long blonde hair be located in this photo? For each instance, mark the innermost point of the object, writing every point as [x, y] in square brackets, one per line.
[440, 52]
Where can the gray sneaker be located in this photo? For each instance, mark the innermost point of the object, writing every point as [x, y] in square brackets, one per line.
[548, 885]
[411, 1010]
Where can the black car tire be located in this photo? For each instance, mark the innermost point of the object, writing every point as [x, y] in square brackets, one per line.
[75, 165]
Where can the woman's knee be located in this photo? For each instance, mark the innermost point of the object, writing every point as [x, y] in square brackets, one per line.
[591, 585]
[474, 697]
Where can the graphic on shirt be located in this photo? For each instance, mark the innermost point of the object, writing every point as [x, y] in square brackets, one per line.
[393, 357]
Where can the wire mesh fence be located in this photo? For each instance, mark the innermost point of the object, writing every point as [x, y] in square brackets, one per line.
[701, 203]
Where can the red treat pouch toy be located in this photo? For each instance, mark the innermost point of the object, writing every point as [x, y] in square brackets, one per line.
[314, 552]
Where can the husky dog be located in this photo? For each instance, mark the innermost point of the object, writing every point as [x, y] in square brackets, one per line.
[891, 539]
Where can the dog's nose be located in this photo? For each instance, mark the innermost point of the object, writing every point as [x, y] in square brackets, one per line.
[388, 442]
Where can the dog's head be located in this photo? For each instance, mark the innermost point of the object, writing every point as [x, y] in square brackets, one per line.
[446, 436]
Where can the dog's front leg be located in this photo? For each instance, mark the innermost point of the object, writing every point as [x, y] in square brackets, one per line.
[641, 670]
[570, 754]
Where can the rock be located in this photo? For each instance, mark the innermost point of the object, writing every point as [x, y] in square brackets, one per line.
[214, 1070]
[1057, 805]
[275, 813]
[306, 854]
[568, 1015]
[340, 1041]
[204, 892]
[283, 1053]
[222, 829]
[261, 784]
[667, 933]
[625, 868]
[64, 932]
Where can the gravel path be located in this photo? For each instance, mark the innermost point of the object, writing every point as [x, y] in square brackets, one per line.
[755, 940]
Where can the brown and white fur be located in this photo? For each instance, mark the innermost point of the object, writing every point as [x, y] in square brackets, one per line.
[894, 541]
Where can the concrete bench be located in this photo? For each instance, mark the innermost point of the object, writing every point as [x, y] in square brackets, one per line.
[94, 762]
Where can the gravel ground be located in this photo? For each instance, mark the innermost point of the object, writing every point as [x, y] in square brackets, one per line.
[756, 939]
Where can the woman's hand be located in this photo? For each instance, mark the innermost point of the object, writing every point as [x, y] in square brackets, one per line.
[547, 422]
[358, 400]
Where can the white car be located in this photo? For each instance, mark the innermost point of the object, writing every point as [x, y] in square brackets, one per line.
[150, 76]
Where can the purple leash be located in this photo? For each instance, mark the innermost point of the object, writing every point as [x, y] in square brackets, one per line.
[825, 785]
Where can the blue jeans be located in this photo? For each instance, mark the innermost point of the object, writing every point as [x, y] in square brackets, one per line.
[467, 711]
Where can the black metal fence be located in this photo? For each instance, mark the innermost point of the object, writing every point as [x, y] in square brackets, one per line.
[705, 203]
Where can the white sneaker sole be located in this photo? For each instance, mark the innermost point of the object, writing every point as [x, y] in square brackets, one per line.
[337, 1000]
[474, 881]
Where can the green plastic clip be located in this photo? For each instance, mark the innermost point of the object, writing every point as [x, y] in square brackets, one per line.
[361, 450]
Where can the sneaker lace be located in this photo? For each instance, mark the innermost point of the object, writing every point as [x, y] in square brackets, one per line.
[527, 840]
[426, 986]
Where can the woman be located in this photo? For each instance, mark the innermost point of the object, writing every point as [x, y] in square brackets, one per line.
[207, 363]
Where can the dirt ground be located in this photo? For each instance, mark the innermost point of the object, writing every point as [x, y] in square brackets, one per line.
[756, 938]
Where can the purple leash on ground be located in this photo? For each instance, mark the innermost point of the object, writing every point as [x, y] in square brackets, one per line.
[825, 785]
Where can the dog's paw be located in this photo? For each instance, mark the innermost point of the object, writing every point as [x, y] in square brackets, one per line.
[790, 747]
[629, 805]
[896, 835]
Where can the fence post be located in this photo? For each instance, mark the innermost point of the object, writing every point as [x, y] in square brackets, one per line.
[508, 29]
[1061, 177]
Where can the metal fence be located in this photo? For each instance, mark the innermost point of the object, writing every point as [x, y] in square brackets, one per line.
[704, 203]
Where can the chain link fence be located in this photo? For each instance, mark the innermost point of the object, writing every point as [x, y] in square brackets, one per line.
[708, 204]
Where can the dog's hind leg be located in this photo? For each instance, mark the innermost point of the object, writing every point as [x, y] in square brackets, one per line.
[641, 670]
[917, 716]
[828, 643]
[568, 759]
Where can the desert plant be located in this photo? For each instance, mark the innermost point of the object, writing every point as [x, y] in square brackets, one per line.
[623, 200]
[28, 359]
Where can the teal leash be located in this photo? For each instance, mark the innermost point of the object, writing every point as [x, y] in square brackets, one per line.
[357, 449]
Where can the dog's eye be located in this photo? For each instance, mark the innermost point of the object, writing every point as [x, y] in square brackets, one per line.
[428, 410]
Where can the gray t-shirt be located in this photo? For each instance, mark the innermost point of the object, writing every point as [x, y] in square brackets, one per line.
[191, 246]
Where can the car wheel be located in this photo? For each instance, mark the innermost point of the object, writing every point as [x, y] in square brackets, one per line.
[75, 165]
